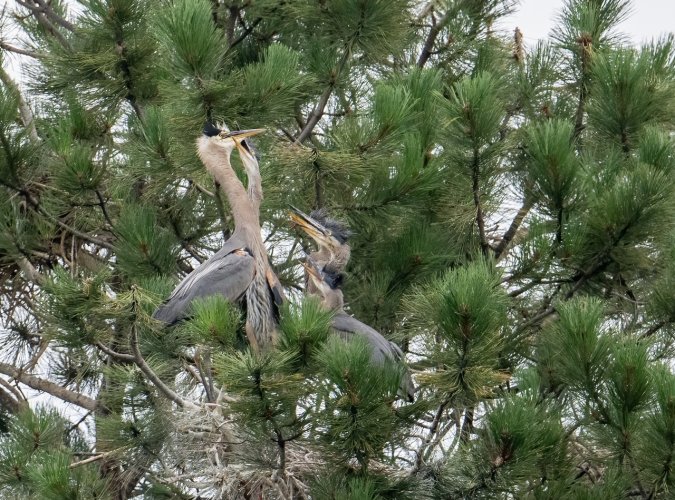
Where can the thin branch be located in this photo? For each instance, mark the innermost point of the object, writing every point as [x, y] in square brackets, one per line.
[45, 23]
[318, 110]
[114, 354]
[49, 387]
[243, 36]
[480, 221]
[104, 209]
[92, 459]
[44, 8]
[17, 50]
[513, 228]
[152, 376]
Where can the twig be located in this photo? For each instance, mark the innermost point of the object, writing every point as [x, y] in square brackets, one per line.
[243, 36]
[102, 204]
[117, 355]
[45, 23]
[89, 460]
[44, 8]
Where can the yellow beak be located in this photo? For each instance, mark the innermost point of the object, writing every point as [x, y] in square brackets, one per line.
[312, 227]
[242, 134]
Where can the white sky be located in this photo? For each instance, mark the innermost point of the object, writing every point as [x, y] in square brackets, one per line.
[648, 19]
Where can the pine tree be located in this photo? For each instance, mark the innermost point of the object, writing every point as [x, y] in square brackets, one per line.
[512, 209]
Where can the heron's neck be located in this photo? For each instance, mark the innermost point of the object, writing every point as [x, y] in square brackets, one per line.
[217, 162]
[255, 192]
[334, 300]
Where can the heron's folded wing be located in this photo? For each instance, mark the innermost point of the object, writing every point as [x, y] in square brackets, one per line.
[228, 274]
[381, 348]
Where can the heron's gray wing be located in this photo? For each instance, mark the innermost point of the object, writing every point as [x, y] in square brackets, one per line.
[228, 272]
[382, 349]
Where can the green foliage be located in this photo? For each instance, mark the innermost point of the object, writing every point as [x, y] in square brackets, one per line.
[187, 35]
[462, 314]
[512, 216]
[214, 321]
[631, 90]
[35, 460]
[358, 420]
[144, 249]
[554, 167]
[305, 328]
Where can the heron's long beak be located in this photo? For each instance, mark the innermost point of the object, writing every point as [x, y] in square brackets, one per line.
[312, 227]
[312, 270]
[242, 134]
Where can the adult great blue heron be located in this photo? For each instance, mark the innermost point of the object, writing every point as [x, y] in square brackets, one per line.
[381, 350]
[239, 271]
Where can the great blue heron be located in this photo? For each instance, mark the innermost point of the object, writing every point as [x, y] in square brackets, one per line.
[239, 271]
[331, 237]
[382, 350]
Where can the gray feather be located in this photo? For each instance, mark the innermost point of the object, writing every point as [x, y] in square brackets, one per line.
[226, 273]
[382, 350]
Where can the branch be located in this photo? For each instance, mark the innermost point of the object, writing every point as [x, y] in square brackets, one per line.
[49, 387]
[318, 110]
[485, 247]
[24, 110]
[513, 228]
[431, 40]
[243, 36]
[44, 8]
[114, 354]
[152, 376]
[92, 459]
[17, 50]
[45, 23]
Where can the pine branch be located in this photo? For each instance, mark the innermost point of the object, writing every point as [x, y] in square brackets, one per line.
[49, 387]
[318, 110]
[513, 228]
[427, 49]
[585, 44]
[46, 24]
[152, 376]
[25, 112]
[17, 50]
[475, 176]
[41, 7]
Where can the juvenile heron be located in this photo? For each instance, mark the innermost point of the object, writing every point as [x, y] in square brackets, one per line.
[327, 284]
[331, 237]
[239, 271]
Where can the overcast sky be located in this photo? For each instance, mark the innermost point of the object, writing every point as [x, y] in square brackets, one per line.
[647, 20]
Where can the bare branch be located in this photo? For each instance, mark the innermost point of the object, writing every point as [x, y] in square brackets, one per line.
[17, 50]
[49, 387]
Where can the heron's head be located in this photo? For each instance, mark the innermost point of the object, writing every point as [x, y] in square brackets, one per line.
[324, 231]
[326, 281]
[229, 140]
